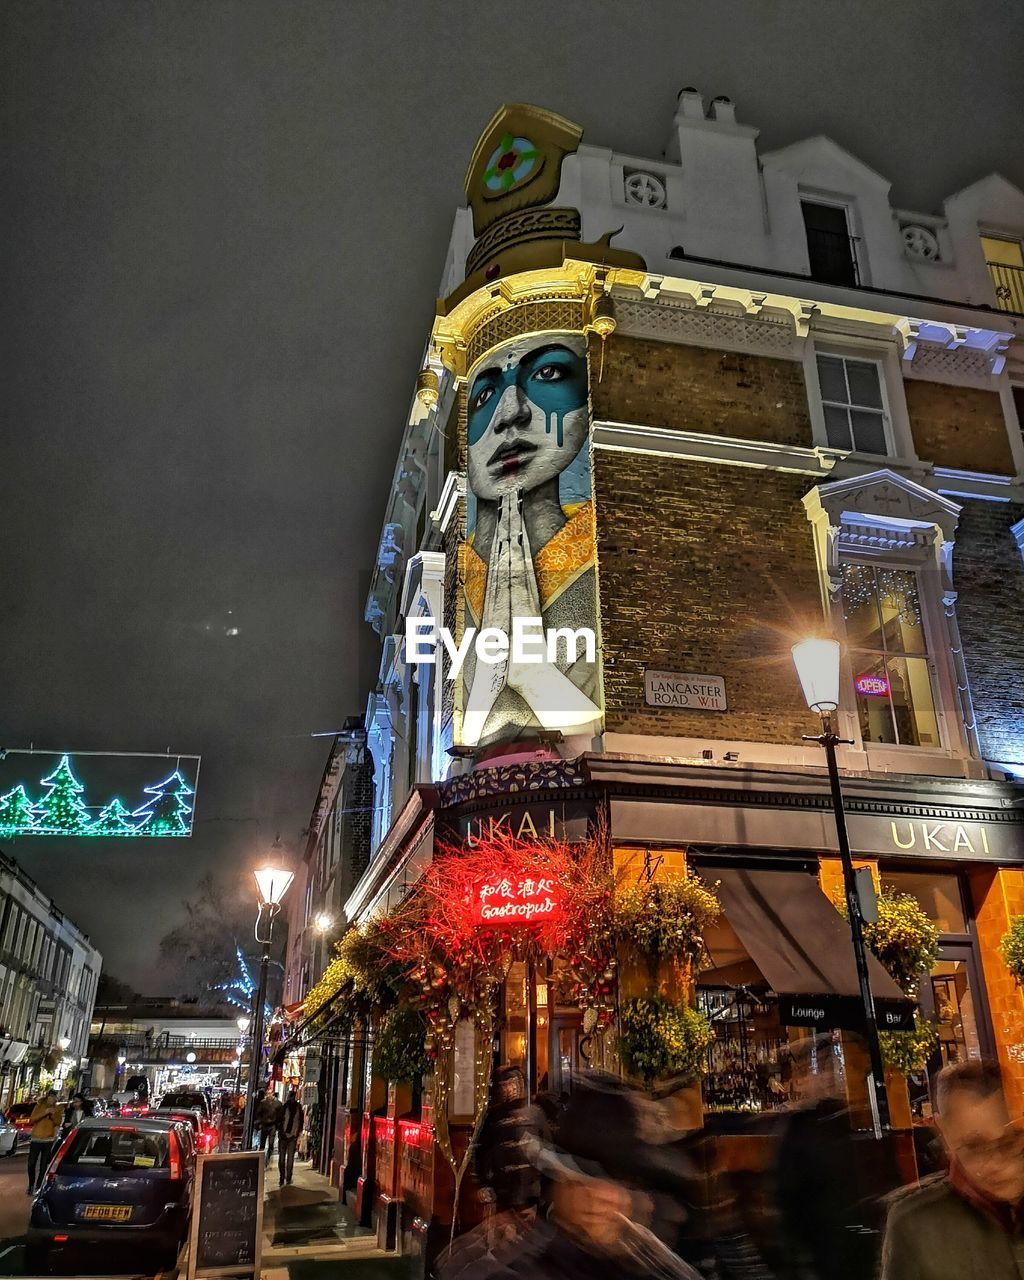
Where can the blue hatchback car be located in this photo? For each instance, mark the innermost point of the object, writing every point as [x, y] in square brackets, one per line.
[115, 1183]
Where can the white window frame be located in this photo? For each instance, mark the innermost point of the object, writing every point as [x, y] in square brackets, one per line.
[895, 418]
[891, 522]
[931, 614]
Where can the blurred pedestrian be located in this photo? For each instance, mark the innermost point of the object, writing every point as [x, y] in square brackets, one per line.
[267, 1117]
[288, 1130]
[501, 1161]
[817, 1195]
[969, 1220]
[45, 1123]
[601, 1175]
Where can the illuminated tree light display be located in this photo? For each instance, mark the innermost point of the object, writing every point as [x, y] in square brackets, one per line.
[63, 809]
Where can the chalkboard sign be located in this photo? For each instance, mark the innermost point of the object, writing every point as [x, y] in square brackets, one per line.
[227, 1215]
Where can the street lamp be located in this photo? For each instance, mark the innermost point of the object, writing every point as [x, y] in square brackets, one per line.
[817, 665]
[272, 881]
[323, 922]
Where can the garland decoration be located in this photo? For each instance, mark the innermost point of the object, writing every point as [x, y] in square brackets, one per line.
[398, 1050]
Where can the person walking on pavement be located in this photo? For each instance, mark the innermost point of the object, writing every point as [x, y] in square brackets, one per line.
[268, 1115]
[45, 1121]
[288, 1130]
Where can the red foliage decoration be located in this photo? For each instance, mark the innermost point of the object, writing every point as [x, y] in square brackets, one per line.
[450, 954]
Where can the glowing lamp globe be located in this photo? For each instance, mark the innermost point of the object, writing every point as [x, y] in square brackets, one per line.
[190, 1057]
[242, 1023]
[273, 883]
[817, 665]
[323, 921]
[65, 1043]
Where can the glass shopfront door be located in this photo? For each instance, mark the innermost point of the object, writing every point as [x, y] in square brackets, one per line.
[950, 995]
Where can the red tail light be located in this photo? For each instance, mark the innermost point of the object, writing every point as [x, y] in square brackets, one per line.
[123, 1128]
[60, 1239]
[174, 1155]
[51, 1171]
[143, 1108]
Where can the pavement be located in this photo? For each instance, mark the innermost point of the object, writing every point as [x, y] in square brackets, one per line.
[308, 1231]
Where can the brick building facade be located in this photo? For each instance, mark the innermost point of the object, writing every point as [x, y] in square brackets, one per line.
[759, 433]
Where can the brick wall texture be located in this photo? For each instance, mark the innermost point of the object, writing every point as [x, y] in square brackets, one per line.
[708, 569]
[721, 393]
[988, 573]
[960, 427]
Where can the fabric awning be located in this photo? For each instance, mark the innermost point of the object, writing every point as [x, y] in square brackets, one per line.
[802, 946]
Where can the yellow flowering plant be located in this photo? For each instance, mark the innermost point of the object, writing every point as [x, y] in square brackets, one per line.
[659, 1039]
[666, 919]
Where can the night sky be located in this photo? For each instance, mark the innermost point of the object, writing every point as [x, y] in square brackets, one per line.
[223, 228]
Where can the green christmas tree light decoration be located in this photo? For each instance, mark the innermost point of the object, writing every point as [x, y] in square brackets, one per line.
[168, 813]
[16, 812]
[115, 820]
[61, 811]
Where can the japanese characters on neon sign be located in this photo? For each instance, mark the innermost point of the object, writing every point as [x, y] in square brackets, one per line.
[59, 804]
[508, 901]
[872, 686]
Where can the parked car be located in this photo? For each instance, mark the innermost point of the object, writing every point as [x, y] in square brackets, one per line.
[187, 1100]
[206, 1135]
[115, 1183]
[9, 1138]
[18, 1114]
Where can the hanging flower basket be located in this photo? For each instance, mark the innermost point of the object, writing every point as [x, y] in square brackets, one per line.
[1011, 948]
[666, 919]
[904, 940]
[660, 1039]
[909, 1051]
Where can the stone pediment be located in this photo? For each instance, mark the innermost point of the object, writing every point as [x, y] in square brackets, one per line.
[885, 496]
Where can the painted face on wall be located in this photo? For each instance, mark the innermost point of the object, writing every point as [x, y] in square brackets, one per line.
[527, 413]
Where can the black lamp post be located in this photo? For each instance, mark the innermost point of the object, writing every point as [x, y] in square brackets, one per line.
[272, 882]
[817, 665]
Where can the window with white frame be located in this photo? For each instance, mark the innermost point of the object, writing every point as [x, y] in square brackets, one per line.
[889, 653]
[853, 403]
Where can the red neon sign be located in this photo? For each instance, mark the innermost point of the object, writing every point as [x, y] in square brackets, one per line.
[872, 686]
[507, 901]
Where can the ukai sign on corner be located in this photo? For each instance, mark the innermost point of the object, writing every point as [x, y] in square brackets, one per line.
[684, 690]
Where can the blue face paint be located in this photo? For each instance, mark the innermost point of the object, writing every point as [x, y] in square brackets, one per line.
[553, 378]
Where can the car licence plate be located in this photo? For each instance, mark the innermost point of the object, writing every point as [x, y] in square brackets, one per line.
[108, 1212]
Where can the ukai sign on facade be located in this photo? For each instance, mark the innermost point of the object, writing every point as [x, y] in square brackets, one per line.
[536, 819]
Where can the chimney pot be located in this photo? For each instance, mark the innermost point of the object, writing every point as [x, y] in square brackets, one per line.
[690, 104]
[724, 110]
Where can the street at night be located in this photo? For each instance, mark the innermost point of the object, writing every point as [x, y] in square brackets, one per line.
[512, 736]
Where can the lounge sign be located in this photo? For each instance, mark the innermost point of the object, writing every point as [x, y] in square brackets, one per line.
[845, 1013]
[684, 690]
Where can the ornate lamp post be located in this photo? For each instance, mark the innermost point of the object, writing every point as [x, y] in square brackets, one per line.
[817, 665]
[272, 881]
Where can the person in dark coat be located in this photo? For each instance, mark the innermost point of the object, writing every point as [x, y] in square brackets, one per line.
[969, 1220]
[601, 1177]
[501, 1163]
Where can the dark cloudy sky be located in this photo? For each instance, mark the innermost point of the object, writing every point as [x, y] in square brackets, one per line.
[223, 227]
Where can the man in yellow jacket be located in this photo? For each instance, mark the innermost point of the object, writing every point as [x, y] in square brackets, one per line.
[45, 1122]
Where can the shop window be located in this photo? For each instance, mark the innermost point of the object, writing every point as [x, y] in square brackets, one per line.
[888, 649]
[937, 892]
[853, 404]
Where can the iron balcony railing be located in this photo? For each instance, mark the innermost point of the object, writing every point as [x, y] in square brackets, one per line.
[1009, 286]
